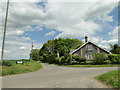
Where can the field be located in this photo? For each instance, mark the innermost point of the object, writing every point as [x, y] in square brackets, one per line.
[28, 66]
[110, 78]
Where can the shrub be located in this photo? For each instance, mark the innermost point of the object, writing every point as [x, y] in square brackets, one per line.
[68, 58]
[41, 58]
[6, 63]
[107, 62]
[45, 58]
[57, 60]
[51, 58]
[114, 58]
[63, 60]
[99, 58]
[78, 59]
[75, 59]
[34, 55]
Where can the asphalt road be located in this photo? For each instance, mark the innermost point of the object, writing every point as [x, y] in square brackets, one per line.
[52, 76]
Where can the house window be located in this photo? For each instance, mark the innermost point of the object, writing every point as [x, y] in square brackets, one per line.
[89, 57]
[89, 47]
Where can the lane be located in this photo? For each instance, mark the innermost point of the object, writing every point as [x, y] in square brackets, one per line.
[52, 76]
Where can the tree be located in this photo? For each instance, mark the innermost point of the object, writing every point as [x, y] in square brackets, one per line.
[35, 55]
[60, 45]
[115, 49]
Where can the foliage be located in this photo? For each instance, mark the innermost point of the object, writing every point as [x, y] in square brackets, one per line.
[107, 62]
[59, 45]
[34, 55]
[99, 58]
[51, 58]
[78, 59]
[110, 78]
[58, 60]
[44, 58]
[70, 59]
[29, 66]
[48, 53]
[115, 49]
[6, 63]
[114, 58]
[62, 46]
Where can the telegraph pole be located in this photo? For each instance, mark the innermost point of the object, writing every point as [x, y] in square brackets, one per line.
[32, 46]
[31, 50]
[4, 34]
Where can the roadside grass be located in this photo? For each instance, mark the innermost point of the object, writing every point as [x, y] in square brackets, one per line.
[105, 65]
[28, 66]
[110, 78]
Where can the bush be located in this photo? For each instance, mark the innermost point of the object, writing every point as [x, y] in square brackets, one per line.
[68, 59]
[34, 55]
[114, 58]
[51, 58]
[57, 60]
[45, 58]
[64, 60]
[99, 58]
[6, 63]
[107, 62]
[78, 59]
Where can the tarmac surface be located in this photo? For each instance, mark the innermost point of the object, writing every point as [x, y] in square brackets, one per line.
[52, 76]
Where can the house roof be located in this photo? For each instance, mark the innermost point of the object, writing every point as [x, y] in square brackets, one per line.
[85, 44]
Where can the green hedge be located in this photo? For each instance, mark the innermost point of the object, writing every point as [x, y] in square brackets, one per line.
[6, 63]
[99, 58]
[67, 59]
[114, 58]
[78, 59]
[70, 60]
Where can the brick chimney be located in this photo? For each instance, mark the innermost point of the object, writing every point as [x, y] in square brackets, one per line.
[86, 39]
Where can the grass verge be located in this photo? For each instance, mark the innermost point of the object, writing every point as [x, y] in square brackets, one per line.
[110, 78]
[28, 66]
[107, 65]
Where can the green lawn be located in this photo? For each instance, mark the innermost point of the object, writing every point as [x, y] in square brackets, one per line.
[107, 65]
[28, 66]
[110, 78]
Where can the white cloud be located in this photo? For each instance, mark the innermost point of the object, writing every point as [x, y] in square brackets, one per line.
[113, 41]
[50, 33]
[73, 19]
[26, 38]
[104, 47]
[70, 18]
[104, 41]
[22, 48]
[114, 32]
[114, 35]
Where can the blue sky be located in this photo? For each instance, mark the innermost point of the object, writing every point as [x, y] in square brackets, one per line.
[38, 22]
[40, 35]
